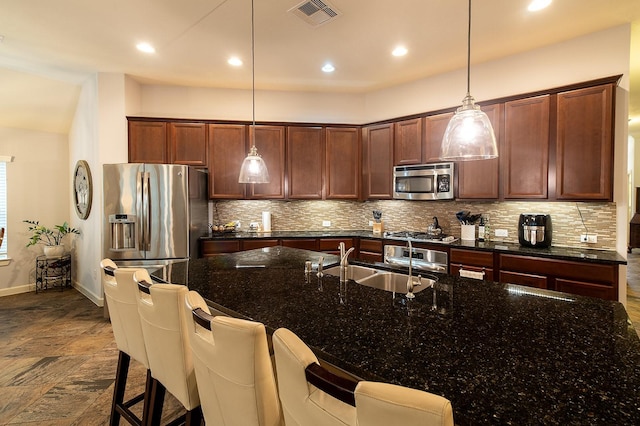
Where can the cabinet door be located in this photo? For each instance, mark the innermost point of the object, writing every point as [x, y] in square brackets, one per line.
[270, 145]
[343, 163]
[259, 243]
[211, 248]
[148, 142]
[188, 144]
[408, 142]
[305, 162]
[479, 179]
[584, 145]
[301, 243]
[525, 154]
[435, 126]
[377, 162]
[227, 149]
[529, 280]
[331, 245]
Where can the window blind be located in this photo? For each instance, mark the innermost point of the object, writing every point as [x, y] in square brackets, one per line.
[3, 204]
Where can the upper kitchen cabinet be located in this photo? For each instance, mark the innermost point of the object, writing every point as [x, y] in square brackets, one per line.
[227, 149]
[188, 144]
[269, 141]
[435, 126]
[148, 142]
[524, 156]
[343, 162]
[584, 143]
[408, 142]
[305, 162]
[377, 161]
[479, 179]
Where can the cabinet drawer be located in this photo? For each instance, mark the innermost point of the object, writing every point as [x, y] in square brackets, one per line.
[586, 289]
[581, 271]
[210, 248]
[331, 244]
[259, 243]
[302, 243]
[374, 246]
[454, 269]
[529, 280]
[472, 257]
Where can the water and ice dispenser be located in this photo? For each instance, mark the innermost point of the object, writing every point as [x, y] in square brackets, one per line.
[123, 231]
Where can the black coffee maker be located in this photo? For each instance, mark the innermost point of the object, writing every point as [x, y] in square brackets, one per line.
[534, 230]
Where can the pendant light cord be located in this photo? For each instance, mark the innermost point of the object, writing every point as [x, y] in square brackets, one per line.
[469, 53]
[253, 76]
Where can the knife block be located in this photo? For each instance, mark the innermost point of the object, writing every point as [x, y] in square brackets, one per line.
[378, 227]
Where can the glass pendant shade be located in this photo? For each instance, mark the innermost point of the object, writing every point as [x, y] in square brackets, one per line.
[253, 169]
[469, 135]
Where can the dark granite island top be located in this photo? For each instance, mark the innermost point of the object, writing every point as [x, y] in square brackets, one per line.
[503, 354]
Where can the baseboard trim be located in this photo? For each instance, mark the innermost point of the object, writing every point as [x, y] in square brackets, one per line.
[98, 300]
[26, 288]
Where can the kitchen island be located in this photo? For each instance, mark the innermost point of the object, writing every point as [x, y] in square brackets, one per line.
[503, 354]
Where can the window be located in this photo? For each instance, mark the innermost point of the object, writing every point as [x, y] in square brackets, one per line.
[3, 204]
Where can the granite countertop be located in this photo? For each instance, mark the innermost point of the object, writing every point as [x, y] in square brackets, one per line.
[503, 354]
[553, 252]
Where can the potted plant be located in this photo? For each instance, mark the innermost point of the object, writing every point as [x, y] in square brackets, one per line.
[50, 237]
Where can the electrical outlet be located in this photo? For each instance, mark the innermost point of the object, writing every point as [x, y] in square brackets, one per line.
[501, 233]
[370, 223]
[589, 238]
[326, 223]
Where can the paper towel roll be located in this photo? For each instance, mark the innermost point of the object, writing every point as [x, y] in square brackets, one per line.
[266, 221]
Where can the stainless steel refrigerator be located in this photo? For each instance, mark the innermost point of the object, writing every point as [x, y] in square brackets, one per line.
[153, 213]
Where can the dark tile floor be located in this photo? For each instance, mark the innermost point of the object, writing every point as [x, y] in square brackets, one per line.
[58, 358]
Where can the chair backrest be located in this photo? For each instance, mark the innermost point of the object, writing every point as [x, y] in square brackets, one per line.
[166, 338]
[304, 403]
[233, 368]
[120, 292]
[1, 236]
[381, 404]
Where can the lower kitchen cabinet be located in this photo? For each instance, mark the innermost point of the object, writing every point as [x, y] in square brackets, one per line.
[259, 243]
[583, 278]
[213, 247]
[472, 262]
[370, 250]
[330, 245]
[301, 243]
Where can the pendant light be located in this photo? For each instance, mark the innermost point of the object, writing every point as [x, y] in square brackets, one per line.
[253, 169]
[469, 135]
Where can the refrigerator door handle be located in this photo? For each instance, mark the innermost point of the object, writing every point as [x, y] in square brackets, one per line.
[146, 213]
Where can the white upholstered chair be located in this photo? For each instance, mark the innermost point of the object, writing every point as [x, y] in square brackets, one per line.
[160, 307]
[120, 293]
[233, 368]
[311, 395]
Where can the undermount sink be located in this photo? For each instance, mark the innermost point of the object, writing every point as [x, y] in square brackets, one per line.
[383, 280]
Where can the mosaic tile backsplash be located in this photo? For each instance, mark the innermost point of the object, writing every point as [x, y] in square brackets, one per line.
[308, 215]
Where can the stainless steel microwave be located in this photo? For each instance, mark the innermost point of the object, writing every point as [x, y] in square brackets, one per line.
[424, 181]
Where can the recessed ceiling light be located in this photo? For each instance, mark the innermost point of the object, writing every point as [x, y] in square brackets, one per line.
[328, 68]
[235, 61]
[145, 47]
[536, 5]
[399, 51]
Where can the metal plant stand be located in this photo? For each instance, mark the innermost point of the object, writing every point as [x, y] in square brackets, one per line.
[53, 272]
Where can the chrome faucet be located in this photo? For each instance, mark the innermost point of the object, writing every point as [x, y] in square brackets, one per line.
[410, 282]
[344, 261]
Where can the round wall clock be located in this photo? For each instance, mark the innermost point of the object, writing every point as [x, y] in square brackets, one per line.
[82, 189]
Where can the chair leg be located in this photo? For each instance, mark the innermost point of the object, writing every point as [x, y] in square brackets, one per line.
[118, 391]
[194, 417]
[157, 400]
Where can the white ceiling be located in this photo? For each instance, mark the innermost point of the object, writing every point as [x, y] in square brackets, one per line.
[48, 47]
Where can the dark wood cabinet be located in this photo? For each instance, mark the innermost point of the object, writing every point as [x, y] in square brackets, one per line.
[479, 179]
[583, 278]
[525, 150]
[480, 262]
[259, 243]
[330, 245]
[370, 250]
[210, 248]
[343, 154]
[305, 162]
[148, 142]
[227, 149]
[269, 141]
[188, 144]
[435, 126]
[408, 142]
[377, 162]
[584, 144]
[301, 243]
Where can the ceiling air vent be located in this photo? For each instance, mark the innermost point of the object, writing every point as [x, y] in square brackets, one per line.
[315, 12]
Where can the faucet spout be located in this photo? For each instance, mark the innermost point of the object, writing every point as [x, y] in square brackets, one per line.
[344, 258]
[410, 282]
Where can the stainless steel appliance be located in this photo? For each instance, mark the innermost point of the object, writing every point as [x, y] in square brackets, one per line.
[425, 237]
[421, 258]
[534, 230]
[424, 181]
[153, 213]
